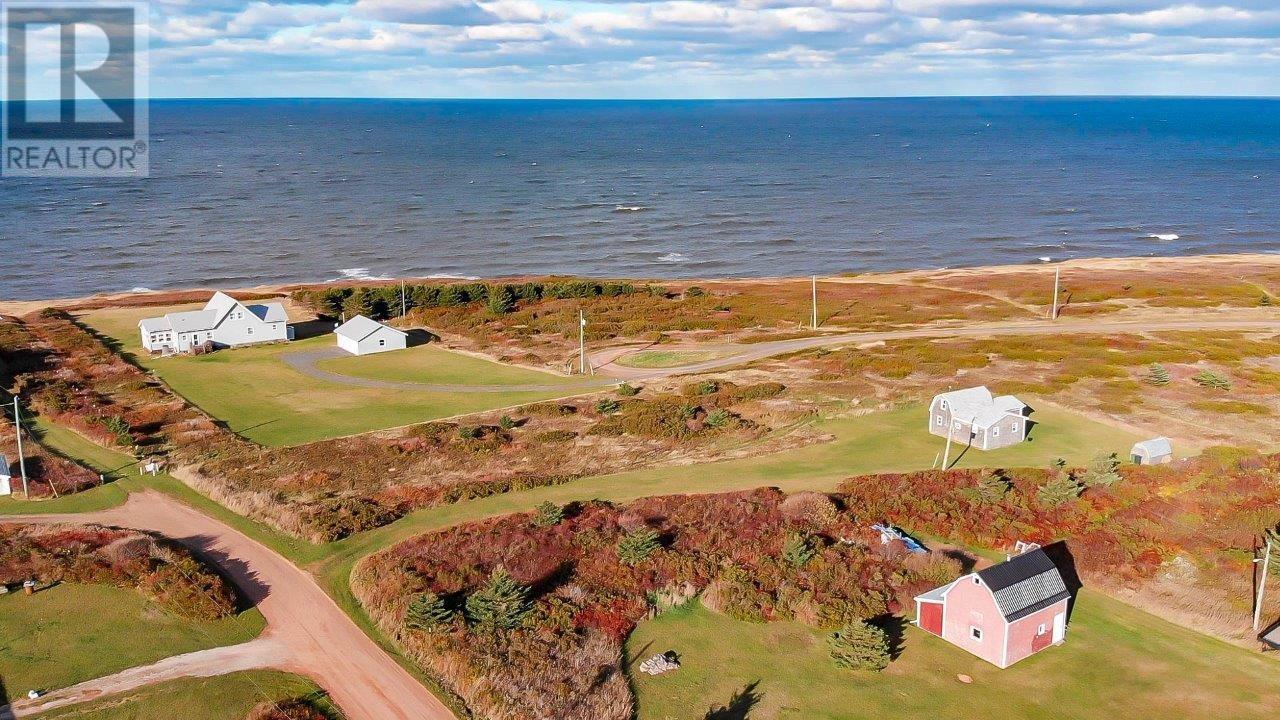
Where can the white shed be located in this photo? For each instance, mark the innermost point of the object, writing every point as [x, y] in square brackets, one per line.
[5, 476]
[1155, 451]
[362, 336]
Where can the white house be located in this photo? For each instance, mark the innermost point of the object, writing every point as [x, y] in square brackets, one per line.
[224, 321]
[362, 336]
[974, 416]
[5, 476]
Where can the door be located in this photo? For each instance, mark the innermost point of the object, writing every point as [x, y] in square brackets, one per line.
[931, 617]
[1059, 627]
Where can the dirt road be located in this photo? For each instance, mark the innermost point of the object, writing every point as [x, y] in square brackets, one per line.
[313, 636]
[605, 360]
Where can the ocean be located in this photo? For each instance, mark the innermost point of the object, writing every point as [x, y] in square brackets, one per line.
[243, 192]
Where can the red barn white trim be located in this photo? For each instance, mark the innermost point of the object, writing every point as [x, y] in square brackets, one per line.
[1002, 613]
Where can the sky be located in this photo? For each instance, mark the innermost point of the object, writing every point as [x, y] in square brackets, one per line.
[712, 48]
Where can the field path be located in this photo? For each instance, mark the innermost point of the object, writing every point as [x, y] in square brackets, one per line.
[304, 361]
[314, 637]
[265, 652]
[605, 360]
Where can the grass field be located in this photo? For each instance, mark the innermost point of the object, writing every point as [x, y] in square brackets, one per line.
[260, 397]
[668, 358]
[57, 637]
[1117, 662]
[227, 697]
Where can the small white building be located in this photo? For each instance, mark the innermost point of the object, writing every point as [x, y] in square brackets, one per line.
[5, 476]
[974, 416]
[1156, 451]
[224, 322]
[362, 336]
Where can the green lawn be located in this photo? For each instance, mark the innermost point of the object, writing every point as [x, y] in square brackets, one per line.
[260, 397]
[1117, 662]
[668, 358]
[227, 697]
[72, 633]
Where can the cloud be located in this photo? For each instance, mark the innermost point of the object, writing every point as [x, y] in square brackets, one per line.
[693, 47]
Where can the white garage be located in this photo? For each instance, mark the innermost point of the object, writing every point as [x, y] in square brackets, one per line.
[362, 336]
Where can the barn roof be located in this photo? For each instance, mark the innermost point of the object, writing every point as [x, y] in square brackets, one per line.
[1025, 584]
[1155, 447]
[361, 327]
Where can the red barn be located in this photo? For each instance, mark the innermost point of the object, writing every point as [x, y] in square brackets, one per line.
[1002, 613]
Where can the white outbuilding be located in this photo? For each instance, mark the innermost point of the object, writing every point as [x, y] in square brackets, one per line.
[1156, 451]
[5, 477]
[362, 336]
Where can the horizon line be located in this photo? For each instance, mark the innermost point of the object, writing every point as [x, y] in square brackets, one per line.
[797, 98]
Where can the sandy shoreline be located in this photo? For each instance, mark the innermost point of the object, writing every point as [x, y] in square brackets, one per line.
[1138, 264]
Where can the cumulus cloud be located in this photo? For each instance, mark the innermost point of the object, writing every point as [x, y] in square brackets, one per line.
[743, 47]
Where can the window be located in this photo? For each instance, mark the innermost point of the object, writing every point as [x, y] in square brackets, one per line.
[975, 632]
[381, 342]
[995, 431]
[956, 424]
[939, 421]
[944, 404]
[250, 330]
[1040, 630]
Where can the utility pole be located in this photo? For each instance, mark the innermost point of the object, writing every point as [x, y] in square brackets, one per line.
[1262, 584]
[815, 302]
[403, 307]
[22, 461]
[582, 343]
[1057, 275]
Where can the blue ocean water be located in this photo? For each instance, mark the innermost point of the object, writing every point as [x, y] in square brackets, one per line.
[249, 191]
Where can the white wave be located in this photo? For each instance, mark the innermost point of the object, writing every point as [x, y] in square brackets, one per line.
[141, 289]
[1045, 258]
[629, 208]
[359, 273]
[1167, 237]
[674, 257]
[450, 276]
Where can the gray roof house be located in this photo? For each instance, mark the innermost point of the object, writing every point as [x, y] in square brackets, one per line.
[974, 416]
[224, 321]
[1156, 451]
[362, 336]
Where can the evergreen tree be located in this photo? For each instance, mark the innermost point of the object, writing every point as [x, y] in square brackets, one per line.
[797, 550]
[1158, 375]
[1102, 471]
[427, 611]
[637, 545]
[1060, 488]
[548, 514]
[859, 646]
[991, 487]
[359, 302]
[500, 604]
[1212, 380]
[502, 299]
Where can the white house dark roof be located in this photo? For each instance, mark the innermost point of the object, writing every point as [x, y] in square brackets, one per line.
[1025, 584]
[1155, 447]
[976, 405]
[361, 327]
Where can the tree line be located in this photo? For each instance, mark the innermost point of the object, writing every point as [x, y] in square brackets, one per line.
[382, 302]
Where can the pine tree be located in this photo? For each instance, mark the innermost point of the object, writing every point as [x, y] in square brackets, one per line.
[500, 604]
[548, 514]
[1102, 471]
[637, 545]
[859, 646]
[797, 550]
[1061, 487]
[427, 611]
[1158, 375]
[360, 302]
[502, 299]
[1212, 380]
[991, 487]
